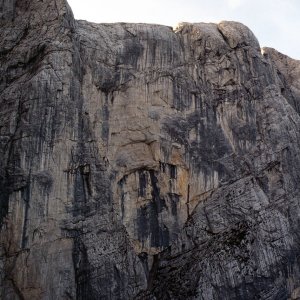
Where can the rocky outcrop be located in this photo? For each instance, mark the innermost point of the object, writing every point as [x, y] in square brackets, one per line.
[142, 162]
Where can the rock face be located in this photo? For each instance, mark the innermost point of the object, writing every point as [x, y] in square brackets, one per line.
[142, 162]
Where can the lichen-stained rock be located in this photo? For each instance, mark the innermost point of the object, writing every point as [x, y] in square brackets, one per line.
[142, 162]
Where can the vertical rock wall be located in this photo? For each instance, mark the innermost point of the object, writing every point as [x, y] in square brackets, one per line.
[142, 162]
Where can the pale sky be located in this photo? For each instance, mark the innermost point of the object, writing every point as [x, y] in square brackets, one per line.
[276, 23]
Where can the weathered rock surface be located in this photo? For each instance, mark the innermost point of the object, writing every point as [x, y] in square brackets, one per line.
[142, 162]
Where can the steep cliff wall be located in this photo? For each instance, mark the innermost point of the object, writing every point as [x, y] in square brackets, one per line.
[142, 162]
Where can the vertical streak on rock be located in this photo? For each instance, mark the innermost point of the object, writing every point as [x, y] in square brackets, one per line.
[25, 192]
[188, 201]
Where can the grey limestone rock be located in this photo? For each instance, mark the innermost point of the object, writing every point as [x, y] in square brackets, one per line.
[142, 162]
